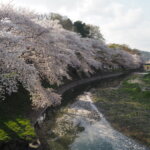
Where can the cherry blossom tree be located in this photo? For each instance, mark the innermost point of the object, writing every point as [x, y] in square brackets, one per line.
[32, 50]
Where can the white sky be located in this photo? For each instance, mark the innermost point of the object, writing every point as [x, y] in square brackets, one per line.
[120, 21]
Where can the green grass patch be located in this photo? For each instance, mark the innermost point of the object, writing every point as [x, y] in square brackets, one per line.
[128, 107]
[146, 79]
[14, 117]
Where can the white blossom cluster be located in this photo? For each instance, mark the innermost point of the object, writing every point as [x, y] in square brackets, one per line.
[33, 49]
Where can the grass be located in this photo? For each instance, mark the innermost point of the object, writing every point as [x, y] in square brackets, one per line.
[128, 107]
[146, 79]
[14, 118]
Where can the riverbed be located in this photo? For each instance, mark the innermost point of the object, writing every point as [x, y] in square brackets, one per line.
[79, 125]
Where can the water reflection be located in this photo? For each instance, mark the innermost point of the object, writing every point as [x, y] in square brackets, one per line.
[80, 126]
[99, 135]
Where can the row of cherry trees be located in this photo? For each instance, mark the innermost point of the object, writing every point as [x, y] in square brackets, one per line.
[32, 50]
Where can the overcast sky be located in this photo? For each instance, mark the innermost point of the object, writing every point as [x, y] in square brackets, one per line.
[120, 21]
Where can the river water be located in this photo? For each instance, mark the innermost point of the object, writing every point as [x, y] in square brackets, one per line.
[98, 134]
[81, 126]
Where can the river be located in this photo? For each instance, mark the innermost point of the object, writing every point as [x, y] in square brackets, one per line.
[79, 125]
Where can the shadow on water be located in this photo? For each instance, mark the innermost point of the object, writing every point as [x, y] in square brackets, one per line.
[69, 97]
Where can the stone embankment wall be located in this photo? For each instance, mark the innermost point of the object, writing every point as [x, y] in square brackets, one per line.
[39, 115]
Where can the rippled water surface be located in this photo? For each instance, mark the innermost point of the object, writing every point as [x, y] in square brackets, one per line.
[97, 134]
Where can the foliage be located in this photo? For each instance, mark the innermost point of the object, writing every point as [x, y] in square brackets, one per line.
[146, 78]
[64, 21]
[94, 32]
[14, 118]
[33, 50]
[85, 30]
[127, 107]
[124, 47]
[81, 28]
[88, 30]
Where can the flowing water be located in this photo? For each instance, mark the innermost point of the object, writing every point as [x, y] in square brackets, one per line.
[96, 133]
[81, 126]
[99, 135]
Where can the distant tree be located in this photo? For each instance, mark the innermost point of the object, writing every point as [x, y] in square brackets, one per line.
[85, 30]
[55, 16]
[88, 30]
[67, 24]
[123, 47]
[136, 51]
[64, 21]
[81, 28]
[94, 32]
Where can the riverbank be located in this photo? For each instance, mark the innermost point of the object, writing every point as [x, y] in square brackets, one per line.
[16, 115]
[127, 107]
[74, 85]
[58, 130]
[15, 122]
[25, 107]
[69, 93]
[80, 126]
